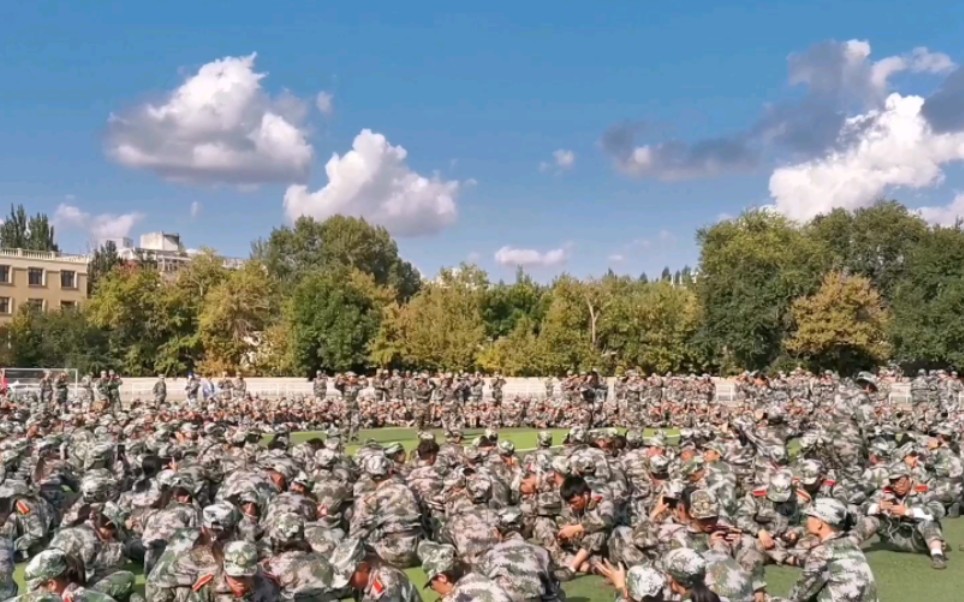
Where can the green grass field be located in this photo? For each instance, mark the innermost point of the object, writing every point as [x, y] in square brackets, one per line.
[900, 577]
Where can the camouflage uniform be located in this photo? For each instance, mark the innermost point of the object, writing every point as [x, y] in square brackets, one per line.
[471, 587]
[388, 517]
[524, 570]
[300, 575]
[385, 583]
[240, 564]
[50, 565]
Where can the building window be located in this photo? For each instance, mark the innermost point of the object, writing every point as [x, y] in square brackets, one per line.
[5, 306]
[68, 279]
[38, 303]
[68, 304]
[4, 274]
[35, 276]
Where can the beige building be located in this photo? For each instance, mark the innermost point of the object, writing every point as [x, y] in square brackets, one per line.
[49, 280]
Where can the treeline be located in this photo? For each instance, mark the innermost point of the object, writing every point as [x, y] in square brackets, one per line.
[845, 292]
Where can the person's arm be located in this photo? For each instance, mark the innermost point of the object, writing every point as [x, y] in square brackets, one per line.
[814, 577]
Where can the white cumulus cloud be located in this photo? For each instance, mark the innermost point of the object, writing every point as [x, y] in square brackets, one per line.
[512, 256]
[373, 181]
[219, 126]
[886, 148]
[562, 160]
[946, 215]
[195, 209]
[325, 102]
[100, 227]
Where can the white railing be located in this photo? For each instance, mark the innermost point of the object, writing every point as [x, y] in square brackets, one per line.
[44, 255]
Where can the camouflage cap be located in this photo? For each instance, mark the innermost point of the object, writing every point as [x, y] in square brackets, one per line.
[545, 438]
[657, 440]
[882, 448]
[491, 434]
[866, 377]
[506, 448]
[780, 487]
[454, 433]
[715, 445]
[479, 488]
[240, 559]
[673, 488]
[220, 515]
[685, 566]
[286, 528]
[659, 464]
[703, 505]
[13, 488]
[303, 479]
[511, 519]
[829, 510]
[811, 471]
[472, 453]
[393, 449]
[561, 465]
[634, 437]
[583, 465]
[345, 558]
[377, 465]
[96, 487]
[690, 468]
[426, 436]
[48, 564]
[908, 449]
[897, 470]
[577, 434]
[643, 581]
[436, 559]
[325, 458]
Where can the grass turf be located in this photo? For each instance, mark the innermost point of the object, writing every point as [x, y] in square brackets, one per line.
[900, 577]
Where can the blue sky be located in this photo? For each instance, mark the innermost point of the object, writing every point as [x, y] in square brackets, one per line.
[572, 136]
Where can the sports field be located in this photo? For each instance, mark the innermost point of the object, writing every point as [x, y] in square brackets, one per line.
[900, 577]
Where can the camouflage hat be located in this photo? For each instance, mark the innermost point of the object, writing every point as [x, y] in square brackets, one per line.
[325, 458]
[506, 448]
[657, 440]
[545, 438]
[491, 434]
[866, 377]
[577, 434]
[303, 479]
[13, 488]
[811, 471]
[454, 433]
[882, 448]
[908, 449]
[240, 559]
[673, 488]
[510, 519]
[96, 487]
[692, 467]
[944, 430]
[426, 436]
[393, 449]
[346, 557]
[780, 487]
[436, 559]
[286, 528]
[472, 453]
[715, 445]
[643, 581]
[479, 488]
[583, 465]
[685, 566]
[377, 465]
[220, 515]
[897, 470]
[634, 437]
[659, 464]
[43, 567]
[829, 510]
[561, 465]
[703, 505]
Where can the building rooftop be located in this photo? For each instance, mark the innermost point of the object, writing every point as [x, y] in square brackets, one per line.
[44, 256]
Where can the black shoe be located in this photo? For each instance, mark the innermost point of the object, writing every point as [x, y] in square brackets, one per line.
[938, 562]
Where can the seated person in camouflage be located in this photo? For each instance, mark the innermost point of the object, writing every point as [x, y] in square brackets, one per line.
[25, 519]
[587, 520]
[388, 517]
[638, 584]
[367, 578]
[524, 570]
[299, 572]
[770, 516]
[98, 544]
[686, 573]
[237, 578]
[470, 526]
[835, 570]
[906, 516]
[449, 578]
[54, 574]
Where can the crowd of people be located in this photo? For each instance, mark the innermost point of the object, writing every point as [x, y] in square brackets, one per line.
[216, 500]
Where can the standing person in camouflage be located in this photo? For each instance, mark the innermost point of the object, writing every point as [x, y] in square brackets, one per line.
[61, 385]
[319, 386]
[388, 517]
[524, 570]
[160, 392]
[350, 388]
[54, 573]
[370, 579]
[906, 516]
[498, 383]
[192, 388]
[113, 391]
[836, 570]
[450, 580]
[46, 388]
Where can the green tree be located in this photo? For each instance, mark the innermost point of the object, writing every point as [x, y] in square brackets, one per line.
[333, 319]
[751, 270]
[104, 259]
[505, 305]
[569, 332]
[442, 328]
[337, 243]
[872, 242]
[234, 316]
[34, 233]
[928, 304]
[56, 339]
[842, 326]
